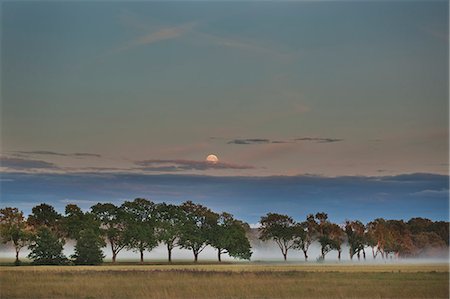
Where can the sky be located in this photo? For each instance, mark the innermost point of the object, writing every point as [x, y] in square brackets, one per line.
[309, 106]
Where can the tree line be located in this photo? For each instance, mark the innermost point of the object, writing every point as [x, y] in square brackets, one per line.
[384, 237]
[140, 225]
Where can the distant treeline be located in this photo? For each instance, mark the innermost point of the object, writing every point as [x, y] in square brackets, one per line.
[141, 225]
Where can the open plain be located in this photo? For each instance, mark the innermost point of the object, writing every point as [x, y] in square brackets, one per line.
[241, 280]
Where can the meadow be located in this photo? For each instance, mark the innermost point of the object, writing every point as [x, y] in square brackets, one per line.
[229, 280]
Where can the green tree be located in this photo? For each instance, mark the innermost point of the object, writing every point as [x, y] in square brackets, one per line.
[170, 220]
[228, 236]
[13, 228]
[280, 228]
[197, 229]
[140, 216]
[47, 248]
[73, 221]
[88, 250]
[45, 215]
[113, 226]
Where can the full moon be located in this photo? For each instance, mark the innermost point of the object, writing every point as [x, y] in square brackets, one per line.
[212, 159]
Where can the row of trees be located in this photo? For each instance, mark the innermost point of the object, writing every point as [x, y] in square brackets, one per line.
[141, 225]
[384, 237]
[138, 225]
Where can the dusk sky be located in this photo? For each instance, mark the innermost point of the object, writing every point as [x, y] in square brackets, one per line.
[309, 106]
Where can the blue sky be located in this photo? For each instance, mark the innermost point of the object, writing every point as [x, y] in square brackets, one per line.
[294, 89]
[248, 198]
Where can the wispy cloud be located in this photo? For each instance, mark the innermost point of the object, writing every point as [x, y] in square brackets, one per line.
[319, 140]
[25, 164]
[247, 141]
[51, 153]
[242, 44]
[432, 193]
[184, 165]
[156, 36]
[129, 19]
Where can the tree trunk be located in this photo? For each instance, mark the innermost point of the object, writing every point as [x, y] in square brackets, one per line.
[195, 256]
[17, 256]
[142, 256]
[359, 256]
[339, 255]
[285, 256]
[305, 252]
[322, 251]
[364, 254]
[219, 252]
[169, 252]
[114, 257]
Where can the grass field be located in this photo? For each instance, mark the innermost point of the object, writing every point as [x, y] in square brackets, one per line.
[227, 281]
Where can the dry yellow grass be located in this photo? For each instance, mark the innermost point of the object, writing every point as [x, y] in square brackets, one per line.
[226, 281]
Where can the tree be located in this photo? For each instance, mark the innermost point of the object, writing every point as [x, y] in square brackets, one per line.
[441, 228]
[73, 222]
[377, 236]
[113, 224]
[280, 228]
[13, 228]
[419, 225]
[46, 248]
[170, 220]
[88, 248]
[427, 242]
[45, 215]
[331, 238]
[229, 236]
[141, 222]
[307, 234]
[197, 229]
[356, 237]
[338, 237]
[399, 239]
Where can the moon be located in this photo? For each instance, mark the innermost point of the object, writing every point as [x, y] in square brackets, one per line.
[212, 159]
